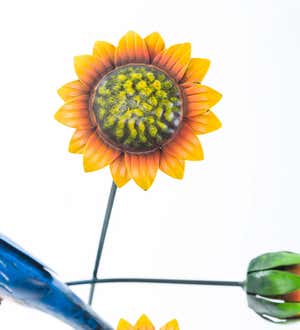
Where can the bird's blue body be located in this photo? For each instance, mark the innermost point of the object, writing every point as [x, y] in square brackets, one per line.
[27, 281]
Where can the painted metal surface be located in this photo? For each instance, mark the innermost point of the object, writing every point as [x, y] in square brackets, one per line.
[28, 281]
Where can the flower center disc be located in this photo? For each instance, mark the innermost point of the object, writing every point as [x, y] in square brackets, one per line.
[138, 108]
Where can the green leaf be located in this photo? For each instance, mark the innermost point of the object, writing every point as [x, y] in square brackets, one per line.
[274, 309]
[274, 260]
[272, 282]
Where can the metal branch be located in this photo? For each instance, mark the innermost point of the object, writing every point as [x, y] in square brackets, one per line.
[157, 281]
[109, 207]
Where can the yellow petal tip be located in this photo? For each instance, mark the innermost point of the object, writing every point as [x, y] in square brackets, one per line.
[73, 150]
[144, 186]
[187, 46]
[216, 95]
[124, 325]
[119, 184]
[144, 321]
[59, 92]
[87, 166]
[172, 325]
[57, 116]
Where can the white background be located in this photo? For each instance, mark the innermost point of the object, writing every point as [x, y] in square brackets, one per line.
[240, 202]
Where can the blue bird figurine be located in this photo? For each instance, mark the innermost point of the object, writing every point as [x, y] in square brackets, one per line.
[27, 281]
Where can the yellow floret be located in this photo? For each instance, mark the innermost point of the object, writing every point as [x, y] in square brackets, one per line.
[130, 91]
[121, 122]
[147, 91]
[161, 94]
[162, 125]
[122, 94]
[102, 112]
[143, 138]
[131, 127]
[150, 120]
[100, 100]
[141, 85]
[141, 127]
[137, 99]
[150, 76]
[138, 112]
[109, 121]
[104, 91]
[167, 84]
[136, 76]
[119, 132]
[169, 115]
[133, 134]
[153, 101]
[152, 130]
[158, 112]
[157, 85]
[147, 106]
[122, 77]
[127, 84]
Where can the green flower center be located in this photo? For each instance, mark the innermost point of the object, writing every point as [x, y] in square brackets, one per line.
[138, 108]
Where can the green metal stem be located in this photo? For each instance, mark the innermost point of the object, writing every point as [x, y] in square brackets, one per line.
[157, 281]
[109, 207]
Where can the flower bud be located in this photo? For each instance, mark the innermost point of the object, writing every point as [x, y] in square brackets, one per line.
[273, 286]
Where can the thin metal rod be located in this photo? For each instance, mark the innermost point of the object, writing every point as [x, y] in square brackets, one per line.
[157, 281]
[109, 207]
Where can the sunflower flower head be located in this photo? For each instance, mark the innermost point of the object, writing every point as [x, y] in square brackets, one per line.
[138, 107]
[144, 323]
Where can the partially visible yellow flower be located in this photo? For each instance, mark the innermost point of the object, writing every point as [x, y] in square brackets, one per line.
[144, 323]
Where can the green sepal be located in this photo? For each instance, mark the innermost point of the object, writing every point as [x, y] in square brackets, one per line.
[274, 260]
[279, 310]
[271, 283]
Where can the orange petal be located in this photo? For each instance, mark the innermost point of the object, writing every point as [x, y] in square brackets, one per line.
[172, 325]
[131, 49]
[74, 113]
[105, 52]
[171, 165]
[196, 70]
[155, 44]
[294, 269]
[185, 145]
[119, 171]
[206, 122]
[97, 154]
[175, 59]
[88, 69]
[72, 89]
[79, 140]
[143, 168]
[199, 98]
[124, 325]
[292, 297]
[144, 323]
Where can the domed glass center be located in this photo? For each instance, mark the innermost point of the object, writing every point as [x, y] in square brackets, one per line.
[138, 108]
